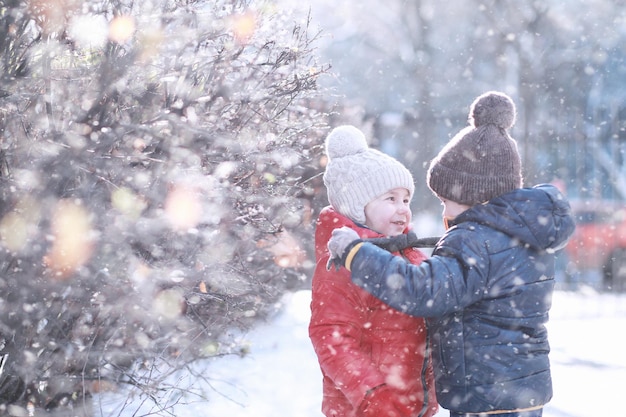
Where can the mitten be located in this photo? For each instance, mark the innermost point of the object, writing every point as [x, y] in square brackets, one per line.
[341, 238]
[384, 401]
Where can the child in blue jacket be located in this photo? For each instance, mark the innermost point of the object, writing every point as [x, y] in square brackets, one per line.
[487, 288]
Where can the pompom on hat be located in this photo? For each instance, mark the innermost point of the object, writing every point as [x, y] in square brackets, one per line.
[356, 174]
[482, 161]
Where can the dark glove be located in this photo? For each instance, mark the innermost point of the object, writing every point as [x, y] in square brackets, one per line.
[384, 401]
[340, 239]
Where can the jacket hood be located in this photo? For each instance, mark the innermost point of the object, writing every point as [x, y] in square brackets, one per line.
[540, 216]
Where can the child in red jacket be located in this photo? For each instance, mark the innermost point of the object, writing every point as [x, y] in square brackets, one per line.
[375, 360]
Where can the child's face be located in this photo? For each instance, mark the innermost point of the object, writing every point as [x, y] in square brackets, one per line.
[389, 213]
[451, 209]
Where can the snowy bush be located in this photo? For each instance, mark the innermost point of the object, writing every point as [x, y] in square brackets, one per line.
[157, 161]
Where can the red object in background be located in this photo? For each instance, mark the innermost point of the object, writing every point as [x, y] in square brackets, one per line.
[599, 241]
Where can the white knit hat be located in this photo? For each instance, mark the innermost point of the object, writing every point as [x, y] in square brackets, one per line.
[356, 174]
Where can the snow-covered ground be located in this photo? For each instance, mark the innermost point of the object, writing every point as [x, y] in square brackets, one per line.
[280, 376]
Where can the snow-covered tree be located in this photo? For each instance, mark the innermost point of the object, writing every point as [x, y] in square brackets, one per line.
[157, 161]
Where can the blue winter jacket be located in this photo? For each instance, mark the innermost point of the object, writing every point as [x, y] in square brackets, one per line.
[487, 292]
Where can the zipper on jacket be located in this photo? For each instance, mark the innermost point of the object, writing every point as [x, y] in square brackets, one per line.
[426, 388]
[426, 405]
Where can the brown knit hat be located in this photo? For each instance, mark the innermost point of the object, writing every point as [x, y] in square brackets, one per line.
[481, 161]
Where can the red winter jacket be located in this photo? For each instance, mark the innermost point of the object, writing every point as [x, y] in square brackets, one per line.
[360, 342]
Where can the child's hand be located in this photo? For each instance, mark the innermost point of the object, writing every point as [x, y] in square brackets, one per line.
[338, 243]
